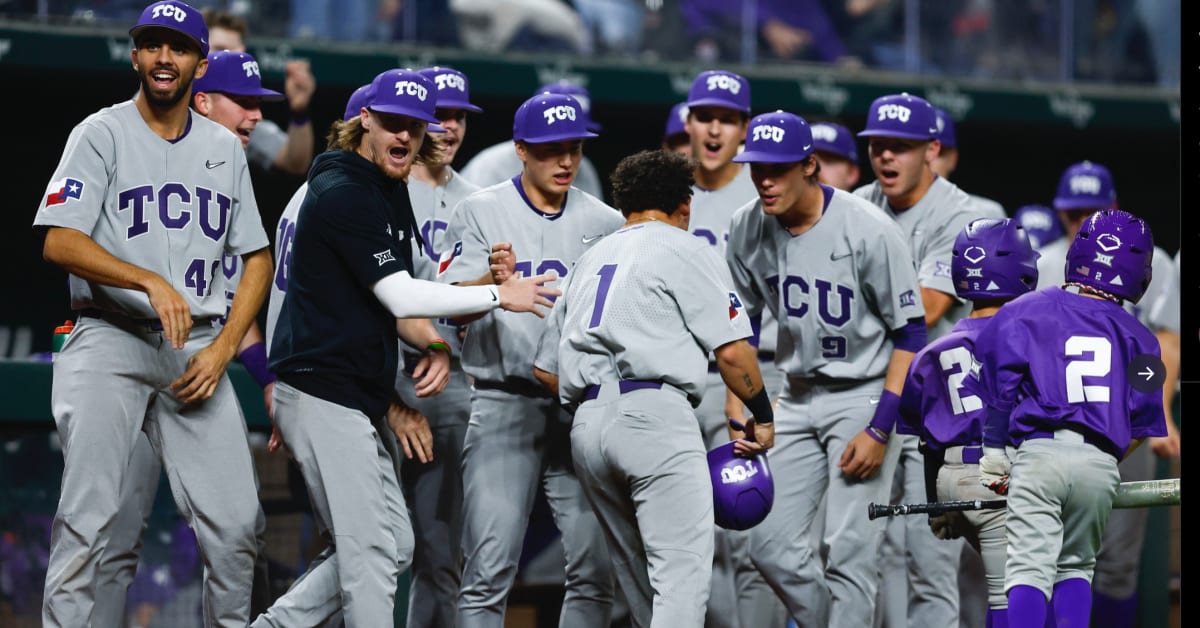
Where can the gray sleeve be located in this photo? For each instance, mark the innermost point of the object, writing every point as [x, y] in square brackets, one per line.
[1162, 297]
[743, 281]
[888, 278]
[246, 233]
[85, 161]
[465, 256]
[714, 315]
[265, 143]
[933, 268]
[546, 357]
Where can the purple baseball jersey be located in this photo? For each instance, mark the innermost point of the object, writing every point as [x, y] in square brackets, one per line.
[935, 405]
[1054, 359]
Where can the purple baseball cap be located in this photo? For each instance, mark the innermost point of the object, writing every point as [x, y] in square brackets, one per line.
[404, 92]
[453, 91]
[580, 93]
[901, 115]
[718, 88]
[833, 138]
[676, 120]
[777, 138]
[176, 16]
[945, 125]
[357, 101]
[233, 73]
[1041, 224]
[1085, 185]
[551, 118]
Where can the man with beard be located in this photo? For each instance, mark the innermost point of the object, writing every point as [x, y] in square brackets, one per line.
[143, 244]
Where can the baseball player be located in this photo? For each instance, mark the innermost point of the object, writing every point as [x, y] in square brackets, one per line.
[1041, 224]
[838, 275]
[336, 357]
[718, 110]
[837, 152]
[228, 94]
[499, 163]
[993, 263]
[270, 147]
[1071, 347]
[1085, 188]
[432, 480]
[537, 222]
[946, 163]
[903, 143]
[636, 444]
[145, 354]
[675, 136]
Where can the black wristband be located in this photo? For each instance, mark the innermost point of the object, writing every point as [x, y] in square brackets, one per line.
[760, 407]
[298, 119]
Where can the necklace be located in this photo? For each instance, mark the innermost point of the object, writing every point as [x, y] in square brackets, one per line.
[630, 223]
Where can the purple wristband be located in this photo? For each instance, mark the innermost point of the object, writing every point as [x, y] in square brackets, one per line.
[254, 358]
[886, 413]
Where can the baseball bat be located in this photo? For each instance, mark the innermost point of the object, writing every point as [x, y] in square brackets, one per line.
[1129, 495]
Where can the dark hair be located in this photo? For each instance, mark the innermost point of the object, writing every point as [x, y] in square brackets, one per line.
[652, 179]
[227, 21]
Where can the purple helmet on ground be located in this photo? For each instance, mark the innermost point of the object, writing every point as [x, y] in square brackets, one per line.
[743, 490]
[1041, 224]
[1113, 252]
[901, 115]
[1085, 185]
[993, 259]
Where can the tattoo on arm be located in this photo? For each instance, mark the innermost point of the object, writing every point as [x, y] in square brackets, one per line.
[749, 383]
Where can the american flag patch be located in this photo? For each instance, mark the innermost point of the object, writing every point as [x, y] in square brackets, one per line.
[448, 257]
[63, 190]
[735, 305]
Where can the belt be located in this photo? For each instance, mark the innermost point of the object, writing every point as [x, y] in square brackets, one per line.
[970, 454]
[148, 324]
[625, 386]
[1071, 436]
[763, 356]
[515, 386]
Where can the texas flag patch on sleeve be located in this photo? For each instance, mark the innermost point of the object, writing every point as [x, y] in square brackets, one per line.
[63, 190]
[735, 305]
[448, 256]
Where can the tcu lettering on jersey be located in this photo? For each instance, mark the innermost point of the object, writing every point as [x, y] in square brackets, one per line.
[559, 112]
[1085, 184]
[411, 88]
[768, 132]
[720, 81]
[63, 190]
[175, 209]
[170, 10]
[894, 112]
[452, 81]
[794, 296]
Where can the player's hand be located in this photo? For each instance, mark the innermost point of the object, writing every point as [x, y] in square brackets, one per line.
[432, 373]
[268, 401]
[204, 372]
[994, 468]
[173, 311]
[412, 430]
[299, 85]
[502, 262]
[863, 457]
[1166, 446]
[525, 294]
[752, 438]
[948, 525]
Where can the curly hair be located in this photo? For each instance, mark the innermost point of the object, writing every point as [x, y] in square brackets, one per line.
[652, 179]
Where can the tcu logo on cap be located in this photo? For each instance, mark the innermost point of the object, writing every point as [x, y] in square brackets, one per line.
[251, 68]
[727, 83]
[768, 132]
[453, 81]
[411, 88]
[169, 10]
[559, 112]
[894, 112]
[1085, 184]
[824, 132]
[738, 472]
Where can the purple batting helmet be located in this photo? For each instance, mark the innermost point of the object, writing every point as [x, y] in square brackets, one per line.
[993, 259]
[1113, 252]
[453, 91]
[577, 91]
[233, 73]
[834, 139]
[1085, 185]
[901, 115]
[176, 16]
[743, 490]
[549, 118]
[1041, 224]
[777, 138]
[718, 88]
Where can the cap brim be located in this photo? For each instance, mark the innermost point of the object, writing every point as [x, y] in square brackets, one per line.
[716, 102]
[899, 134]
[1079, 203]
[829, 150]
[435, 128]
[138, 30]
[755, 156]
[269, 95]
[404, 111]
[459, 104]
[561, 137]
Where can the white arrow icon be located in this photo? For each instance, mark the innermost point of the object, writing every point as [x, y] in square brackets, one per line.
[1148, 373]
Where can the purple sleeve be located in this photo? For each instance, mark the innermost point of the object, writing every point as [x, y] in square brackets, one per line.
[811, 16]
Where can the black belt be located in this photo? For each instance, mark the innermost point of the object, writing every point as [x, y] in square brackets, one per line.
[524, 388]
[625, 386]
[149, 324]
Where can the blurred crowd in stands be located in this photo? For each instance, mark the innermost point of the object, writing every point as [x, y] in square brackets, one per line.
[1107, 41]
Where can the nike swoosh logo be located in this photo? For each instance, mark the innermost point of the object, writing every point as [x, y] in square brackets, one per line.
[210, 165]
[874, 402]
[806, 147]
[835, 256]
[589, 240]
[494, 296]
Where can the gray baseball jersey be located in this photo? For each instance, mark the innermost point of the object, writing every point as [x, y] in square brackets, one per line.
[499, 162]
[500, 346]
[285, 233]
[265, 143]
[987, 207]
[931, 227]
[192, 198]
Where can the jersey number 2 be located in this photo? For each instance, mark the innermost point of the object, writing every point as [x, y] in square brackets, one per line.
[606, 274]
[956, 363]
[1098, 366]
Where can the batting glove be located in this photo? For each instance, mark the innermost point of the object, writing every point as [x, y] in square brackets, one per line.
[994, 469]
[948, 525]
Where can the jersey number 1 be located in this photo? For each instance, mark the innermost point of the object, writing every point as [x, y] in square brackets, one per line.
[606, 274]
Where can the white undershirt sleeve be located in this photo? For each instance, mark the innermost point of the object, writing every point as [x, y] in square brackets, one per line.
[407, 297]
